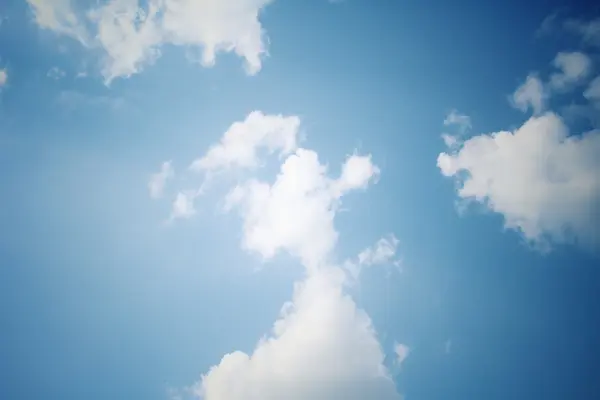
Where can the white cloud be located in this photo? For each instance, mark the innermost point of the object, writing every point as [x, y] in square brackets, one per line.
[58, 16]
[3, 77]
[240, 145]
[530, 94]
[322, 347]
[455, 118]
[402, 351]
[382, 252]
[574, 67]
[592, 93]
[130, 34]
[544, 182]
[183, 206]
[157, 182]
[55, 73]
[295, 214]
[450, 140]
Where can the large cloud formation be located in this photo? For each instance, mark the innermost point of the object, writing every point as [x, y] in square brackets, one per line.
[130, 33]
[544, 182]
[322, 347]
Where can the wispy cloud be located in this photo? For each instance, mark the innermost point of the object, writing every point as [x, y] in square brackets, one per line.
[55, 73]
[157, 182]
[72, 99]
[3, 77]
[461, 120]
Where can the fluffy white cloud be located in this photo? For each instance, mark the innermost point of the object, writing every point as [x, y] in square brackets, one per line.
[544, 182]
[295, 214]
[574, 67]
[3, 77]
[130, 33]
[322, 347]
[402, 351]
[157, 182]
[240, 145]
[531, 94]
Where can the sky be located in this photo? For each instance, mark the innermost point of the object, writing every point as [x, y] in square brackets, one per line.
[278, 199]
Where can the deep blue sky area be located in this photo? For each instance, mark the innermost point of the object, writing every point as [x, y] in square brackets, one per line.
[102, 298]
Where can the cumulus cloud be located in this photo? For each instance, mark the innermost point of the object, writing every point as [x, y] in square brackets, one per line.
[402, 352]
[322, 346]
[240, 147]
[241, 143]
[544, 182]
[574, 67]
[295, 214]
[3, 77]
[157, 182]
[530, 94]
[130, 33]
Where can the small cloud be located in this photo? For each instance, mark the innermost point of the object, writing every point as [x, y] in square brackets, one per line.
[402, 351]
[574, 67]
[547, 26]
[56, 73]
[183, 206]
[531, 94]
[455, 118]
[157, 182]
[382, 252]
[450, 140]
[3, 77]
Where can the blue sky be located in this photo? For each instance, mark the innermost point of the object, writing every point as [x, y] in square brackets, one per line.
[410, 189]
